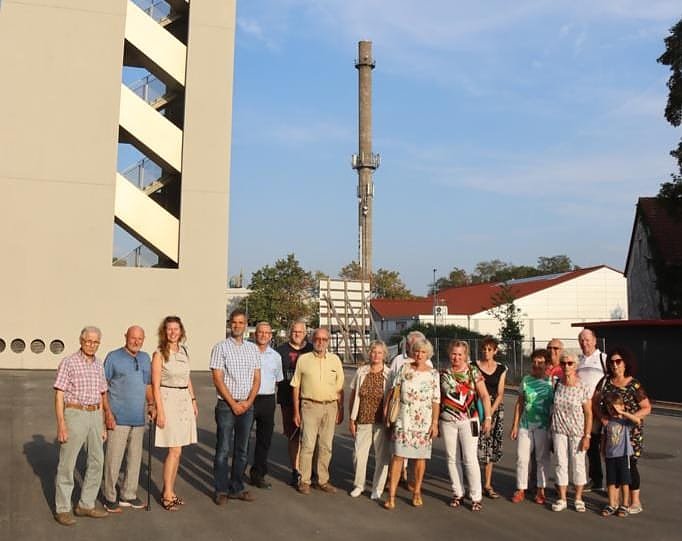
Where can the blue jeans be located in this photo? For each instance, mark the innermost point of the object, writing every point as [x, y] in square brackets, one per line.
[231, 429]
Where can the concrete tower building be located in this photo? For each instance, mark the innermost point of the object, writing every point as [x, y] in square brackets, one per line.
[365, 162]
[85, 151]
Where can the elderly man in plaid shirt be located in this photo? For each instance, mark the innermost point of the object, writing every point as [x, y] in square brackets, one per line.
[235, 366]
[79, 387]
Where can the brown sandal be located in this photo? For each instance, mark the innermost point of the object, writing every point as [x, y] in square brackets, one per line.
[169, 504]
[389, 503]
[455, 502]
[476, 506]
[490, 493]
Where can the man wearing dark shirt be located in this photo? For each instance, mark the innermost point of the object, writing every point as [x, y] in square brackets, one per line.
[290, 352]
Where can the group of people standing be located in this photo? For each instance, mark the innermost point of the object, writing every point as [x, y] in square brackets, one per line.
[592, 410]
[562, 405]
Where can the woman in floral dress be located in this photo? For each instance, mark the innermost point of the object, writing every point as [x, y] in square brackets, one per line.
[417, 422]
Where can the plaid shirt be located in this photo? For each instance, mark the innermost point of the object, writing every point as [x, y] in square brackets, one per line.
[81, 380]
[238, 363]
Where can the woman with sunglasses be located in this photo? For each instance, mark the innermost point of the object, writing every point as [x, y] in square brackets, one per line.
[619, 379]
[571, 429]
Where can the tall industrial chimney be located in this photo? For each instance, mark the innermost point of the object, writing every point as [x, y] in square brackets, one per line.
[365, 162]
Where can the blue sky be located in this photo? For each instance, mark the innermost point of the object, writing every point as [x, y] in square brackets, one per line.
[507, 130]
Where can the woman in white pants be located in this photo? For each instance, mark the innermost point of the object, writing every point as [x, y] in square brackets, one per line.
[571, 428]
[461, 386]
[531, 426]
[366, 407]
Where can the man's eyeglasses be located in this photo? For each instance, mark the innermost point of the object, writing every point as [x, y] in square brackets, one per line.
[91, 342]
[137, 364]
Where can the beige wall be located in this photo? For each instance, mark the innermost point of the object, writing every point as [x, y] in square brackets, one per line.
[59, 103]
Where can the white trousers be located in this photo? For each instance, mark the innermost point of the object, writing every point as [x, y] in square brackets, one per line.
[530, 439]
[366, 436]
[569, 460]
[462, 450]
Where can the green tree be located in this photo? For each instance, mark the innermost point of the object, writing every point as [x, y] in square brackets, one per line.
[507, 313]
[554, 264]
[456, 278]
[672, 57]
[385, 284]
[280, 293]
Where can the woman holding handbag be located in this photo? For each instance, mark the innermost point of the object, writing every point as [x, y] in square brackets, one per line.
[461, 387]
[417, 420]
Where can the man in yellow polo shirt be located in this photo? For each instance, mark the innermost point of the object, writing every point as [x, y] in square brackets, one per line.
[318, 406]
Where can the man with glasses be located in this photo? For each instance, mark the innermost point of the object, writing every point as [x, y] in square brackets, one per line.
[591, 369]
[555, 347]
[318, 407]
[290, 352]
[128, 374]
[264, 405]
[79, 388]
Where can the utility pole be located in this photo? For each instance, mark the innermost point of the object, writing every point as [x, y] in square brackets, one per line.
[365, 162]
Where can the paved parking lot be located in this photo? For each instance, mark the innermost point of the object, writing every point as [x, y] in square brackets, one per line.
[28, 460]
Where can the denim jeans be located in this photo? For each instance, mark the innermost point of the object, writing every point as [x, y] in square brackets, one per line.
[232, 429]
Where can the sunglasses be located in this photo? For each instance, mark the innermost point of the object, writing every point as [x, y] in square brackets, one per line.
[566, 363]
[615, 360]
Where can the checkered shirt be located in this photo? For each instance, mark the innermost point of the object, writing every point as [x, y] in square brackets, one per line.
[238, 363]
[82, 381]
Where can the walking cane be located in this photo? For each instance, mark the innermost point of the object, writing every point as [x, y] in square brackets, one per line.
[149, 465]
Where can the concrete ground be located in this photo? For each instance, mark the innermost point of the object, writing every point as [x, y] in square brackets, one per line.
[28, 458]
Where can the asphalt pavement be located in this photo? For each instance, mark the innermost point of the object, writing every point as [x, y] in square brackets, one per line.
[29, 454]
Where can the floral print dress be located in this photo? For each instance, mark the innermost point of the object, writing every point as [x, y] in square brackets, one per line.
[419, 391]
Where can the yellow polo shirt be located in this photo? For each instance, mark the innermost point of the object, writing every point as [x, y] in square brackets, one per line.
[319, 378]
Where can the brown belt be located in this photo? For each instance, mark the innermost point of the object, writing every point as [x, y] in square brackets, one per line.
[91, 407]
[320, 401]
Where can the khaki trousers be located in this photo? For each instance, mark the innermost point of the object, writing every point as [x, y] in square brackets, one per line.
[84, 430]
[119, 440]
[317, 420]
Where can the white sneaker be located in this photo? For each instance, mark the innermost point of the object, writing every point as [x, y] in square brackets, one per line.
[559, 505]
[375, 496]
[355, 492]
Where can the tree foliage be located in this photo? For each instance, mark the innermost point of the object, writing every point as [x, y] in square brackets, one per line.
[496, 270]
[280, 293]
[672, 57]
[385, 284]
[507, 313]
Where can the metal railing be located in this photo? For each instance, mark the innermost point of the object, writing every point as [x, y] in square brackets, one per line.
[149, 88]
[143, 173]
[156, 9]
[138, 257]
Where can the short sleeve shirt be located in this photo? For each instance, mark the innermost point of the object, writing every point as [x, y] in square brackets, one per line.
[270, 371]
[290, 357]
[238, 363]
[538, 395]
[81, 380]
[568, 417]
[127, 377]
[319, 378]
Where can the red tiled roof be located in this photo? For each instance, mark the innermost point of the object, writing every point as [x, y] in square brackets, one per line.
[469, 300]
[665, 232]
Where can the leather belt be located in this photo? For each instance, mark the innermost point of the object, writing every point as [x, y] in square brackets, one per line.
[91, 407]
[174, 387]
[320, 401]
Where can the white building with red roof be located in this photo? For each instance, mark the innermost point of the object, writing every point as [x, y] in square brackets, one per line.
[549, 304]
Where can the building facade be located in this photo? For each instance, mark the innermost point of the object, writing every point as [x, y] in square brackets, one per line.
[74, 125]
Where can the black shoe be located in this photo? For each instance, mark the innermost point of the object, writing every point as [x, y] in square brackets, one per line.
[260, 482]
[295, 478]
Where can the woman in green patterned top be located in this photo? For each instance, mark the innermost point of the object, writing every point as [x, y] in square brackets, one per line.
[531, 426]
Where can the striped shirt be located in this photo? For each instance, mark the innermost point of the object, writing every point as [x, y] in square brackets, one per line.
[238, 363]
[82, 381]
